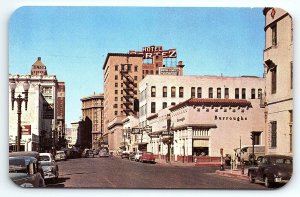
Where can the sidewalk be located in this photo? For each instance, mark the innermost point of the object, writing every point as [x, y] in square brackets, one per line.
[189, 164]
[234, 173]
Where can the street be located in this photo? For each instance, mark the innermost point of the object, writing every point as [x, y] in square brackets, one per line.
[114, 172]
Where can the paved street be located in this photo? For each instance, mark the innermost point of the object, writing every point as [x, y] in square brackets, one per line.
[114, 172]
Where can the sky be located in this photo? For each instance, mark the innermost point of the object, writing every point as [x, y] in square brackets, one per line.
[73, 42]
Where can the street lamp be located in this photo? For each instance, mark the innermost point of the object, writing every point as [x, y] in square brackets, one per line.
[124, 135]
[169, 136]
[19, 101]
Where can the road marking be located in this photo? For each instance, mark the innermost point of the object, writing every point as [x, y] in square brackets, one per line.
[110, 182]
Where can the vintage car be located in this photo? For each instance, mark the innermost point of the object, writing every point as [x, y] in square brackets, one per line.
[34, 154]
[60, 155]
[131, 156]
[23, 171]
[147, 157]
[272, 169]
[137, 155]
[49, 166]
[103, 152]
[125, 154]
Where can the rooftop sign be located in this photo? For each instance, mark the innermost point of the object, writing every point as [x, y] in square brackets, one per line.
[151, 51]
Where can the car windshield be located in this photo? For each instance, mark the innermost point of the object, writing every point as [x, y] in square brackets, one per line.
[17, 165]
[44, 158]
[282, 161]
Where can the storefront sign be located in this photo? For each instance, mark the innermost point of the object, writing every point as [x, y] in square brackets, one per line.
[26, 129]
[230, 118]
[151, 51]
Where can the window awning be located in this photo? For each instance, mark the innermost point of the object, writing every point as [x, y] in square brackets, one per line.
[200, 143]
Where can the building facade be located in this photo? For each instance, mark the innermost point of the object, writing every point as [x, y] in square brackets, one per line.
[92, 110]
[278, 71]
[40, 117]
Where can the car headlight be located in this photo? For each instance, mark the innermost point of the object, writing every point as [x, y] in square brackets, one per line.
[26, 185]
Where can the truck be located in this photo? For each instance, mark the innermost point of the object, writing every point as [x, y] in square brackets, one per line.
[246, 153]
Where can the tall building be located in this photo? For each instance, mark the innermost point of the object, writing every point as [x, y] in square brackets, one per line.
[122, 73]
[278, 71]
[39, 69]
[92, 114]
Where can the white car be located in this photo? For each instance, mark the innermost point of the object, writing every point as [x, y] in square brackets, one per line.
[137, 156]
[49, 166]
[60, 155]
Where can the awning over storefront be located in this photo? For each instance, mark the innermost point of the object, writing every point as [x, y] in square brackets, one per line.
[200, 143]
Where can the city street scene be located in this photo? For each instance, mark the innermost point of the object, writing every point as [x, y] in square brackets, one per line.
[140, 97]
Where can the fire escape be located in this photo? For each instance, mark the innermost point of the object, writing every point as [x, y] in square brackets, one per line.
[128, 90]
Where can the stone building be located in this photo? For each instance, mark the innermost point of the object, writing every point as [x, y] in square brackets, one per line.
[278, 71]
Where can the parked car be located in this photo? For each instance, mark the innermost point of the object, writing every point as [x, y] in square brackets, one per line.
[147, 157]
[34, 154]
[125, 154]
[131, 156]
[138, 155]
[23, 171]
[88, 153]
[60, 155]
[95, 151]
[272, 169]
[103, 152]
[49, 166]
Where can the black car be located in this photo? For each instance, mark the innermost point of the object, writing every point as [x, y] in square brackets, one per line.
[272, 169]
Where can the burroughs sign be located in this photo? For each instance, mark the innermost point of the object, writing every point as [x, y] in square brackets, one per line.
[149, 52]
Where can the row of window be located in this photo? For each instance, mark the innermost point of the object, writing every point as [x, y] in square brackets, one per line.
[210, 92]
[117, 77]
[164, 105]
[126, 66]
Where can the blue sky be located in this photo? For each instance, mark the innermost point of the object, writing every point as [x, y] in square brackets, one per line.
[74, 41]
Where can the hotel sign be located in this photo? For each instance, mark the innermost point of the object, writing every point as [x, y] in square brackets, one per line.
[151, 51]
[26, 129]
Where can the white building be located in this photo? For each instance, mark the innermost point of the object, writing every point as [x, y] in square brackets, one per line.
[278, 59]
[40, 117]
[236, 99]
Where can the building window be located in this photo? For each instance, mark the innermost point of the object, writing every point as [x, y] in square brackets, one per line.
[116, 67]
[115, 105]
[237, 94]
[173, 92]
[116, 98]
[199, 92]
[164, 105]
[273, 134]
[165, 91]
[135, 78]
[259, 93]
[116, 113]
[252, 93]
[121, 84]
[273, 80]
[121, 92]
[218, 92]
[244, 93]
[121, 98]
[116, 91]
[274, 35]
[226, 93]
[147, 72]
[291, 75]
[116, 77]
[180, 92]
[153, 91]
[173, 103]
[193, 92]
[291, 130]
[116, 85]
[256, 136]
[157, 72]
[122, 67]
[152, 107]
[135, 68]
[210, 93]
[151, 72]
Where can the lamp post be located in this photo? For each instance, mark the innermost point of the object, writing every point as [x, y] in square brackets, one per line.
[253, 156]
[124, 135]
[169, 136]
[19, 99]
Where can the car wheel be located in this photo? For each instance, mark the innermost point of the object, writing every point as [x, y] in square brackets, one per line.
[251, 179]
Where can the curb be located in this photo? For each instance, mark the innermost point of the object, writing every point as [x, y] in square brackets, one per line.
[207, 164]
[233, 175]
